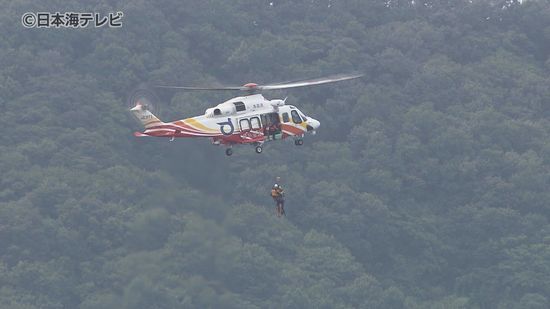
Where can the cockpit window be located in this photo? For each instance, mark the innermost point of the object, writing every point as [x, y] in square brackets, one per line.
[295, 117]
[285, 117]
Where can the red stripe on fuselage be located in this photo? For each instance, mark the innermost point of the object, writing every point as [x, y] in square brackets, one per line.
[292, 129]
[182, 130]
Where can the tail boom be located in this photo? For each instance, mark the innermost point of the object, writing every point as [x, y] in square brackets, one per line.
[173, 129]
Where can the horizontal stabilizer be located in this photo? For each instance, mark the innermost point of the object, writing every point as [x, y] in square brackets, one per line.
[139, 134]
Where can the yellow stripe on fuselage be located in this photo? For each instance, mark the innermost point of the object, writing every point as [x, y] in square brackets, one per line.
[195, 123]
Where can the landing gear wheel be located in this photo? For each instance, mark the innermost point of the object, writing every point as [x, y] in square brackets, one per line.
[228, 151]
[259, 149]
[299, 142]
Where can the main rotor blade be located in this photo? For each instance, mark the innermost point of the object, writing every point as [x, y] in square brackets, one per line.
[310, 82]
[252, 87]
[203, 88]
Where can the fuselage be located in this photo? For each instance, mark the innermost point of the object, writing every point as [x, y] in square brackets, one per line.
[245, 119]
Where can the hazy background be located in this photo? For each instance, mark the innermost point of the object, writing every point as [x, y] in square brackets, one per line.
[426, 187]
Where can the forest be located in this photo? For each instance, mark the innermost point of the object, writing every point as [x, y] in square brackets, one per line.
[427, 185]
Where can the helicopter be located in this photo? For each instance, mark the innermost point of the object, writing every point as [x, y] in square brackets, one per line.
[248, 119]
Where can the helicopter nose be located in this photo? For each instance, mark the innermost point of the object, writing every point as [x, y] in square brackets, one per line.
[313, 124]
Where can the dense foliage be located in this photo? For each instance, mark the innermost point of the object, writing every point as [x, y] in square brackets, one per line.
[426, 187]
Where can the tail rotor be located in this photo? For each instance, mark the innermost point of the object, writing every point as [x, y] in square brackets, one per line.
[142, 105]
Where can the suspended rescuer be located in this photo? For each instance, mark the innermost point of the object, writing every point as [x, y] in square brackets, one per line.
[277, 193]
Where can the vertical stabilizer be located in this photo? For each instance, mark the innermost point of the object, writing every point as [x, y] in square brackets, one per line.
[144, 115]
